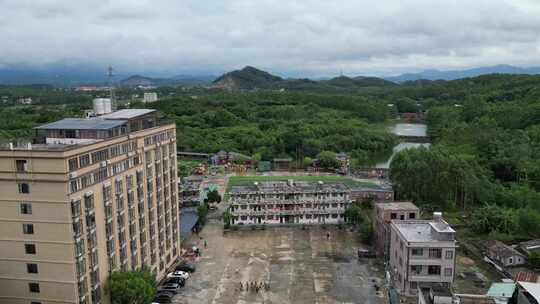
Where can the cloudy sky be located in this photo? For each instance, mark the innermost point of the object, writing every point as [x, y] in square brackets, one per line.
[289, 37]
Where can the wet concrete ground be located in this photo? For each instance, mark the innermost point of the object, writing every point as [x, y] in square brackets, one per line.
[300, 266]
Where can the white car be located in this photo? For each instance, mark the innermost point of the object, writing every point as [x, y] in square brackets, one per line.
[179, 273]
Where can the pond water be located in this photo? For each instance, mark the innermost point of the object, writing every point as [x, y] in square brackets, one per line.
[405, 129]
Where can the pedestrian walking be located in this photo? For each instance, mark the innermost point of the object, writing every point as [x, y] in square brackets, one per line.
[205, 244]
[328, 235]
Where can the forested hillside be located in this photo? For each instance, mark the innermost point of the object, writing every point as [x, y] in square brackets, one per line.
[486, 154]
[280, 124]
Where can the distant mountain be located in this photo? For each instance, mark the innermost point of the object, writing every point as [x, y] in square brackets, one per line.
[246, 78]
[457, 74]
[357, 82]
[251, 78]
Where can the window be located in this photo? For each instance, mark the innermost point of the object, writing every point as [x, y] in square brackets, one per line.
[84, 160]
[28, 228]
[417, 251]
[30, 248]
[31, 268]
[24, 188]
[416, 269]
[448, 272]
[434, 270]
[22, 165]
[34, 302]
[73, 164]
[412, 215]
[26, 208]
[402, 217]
[449, 254]
[435, 253]
[393, 216]
[510, 261]
[34, 287]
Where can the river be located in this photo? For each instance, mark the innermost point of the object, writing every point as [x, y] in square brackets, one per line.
[405, 129]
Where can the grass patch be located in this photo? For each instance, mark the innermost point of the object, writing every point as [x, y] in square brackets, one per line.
[242, 180]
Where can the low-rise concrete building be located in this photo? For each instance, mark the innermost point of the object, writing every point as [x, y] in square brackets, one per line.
[504, 255]
[379, 194]
[421, 251]
[383, 214]
[290, 202]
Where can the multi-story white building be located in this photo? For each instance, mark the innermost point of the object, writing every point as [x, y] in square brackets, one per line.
[421, 252]
[150, 97]
[290, 202]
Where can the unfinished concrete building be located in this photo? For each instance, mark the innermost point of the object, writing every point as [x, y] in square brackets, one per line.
[290, 202]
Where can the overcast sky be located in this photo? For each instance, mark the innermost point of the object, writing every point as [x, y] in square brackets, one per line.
[379, 37]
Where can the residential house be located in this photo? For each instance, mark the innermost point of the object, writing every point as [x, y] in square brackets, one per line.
[503, 254]
[421, 251]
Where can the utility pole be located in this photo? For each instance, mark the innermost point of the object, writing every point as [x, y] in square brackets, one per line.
[110, 75]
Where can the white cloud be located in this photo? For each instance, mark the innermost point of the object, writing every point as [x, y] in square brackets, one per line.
[319, 37]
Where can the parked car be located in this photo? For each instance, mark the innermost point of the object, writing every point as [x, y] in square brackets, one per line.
[179, 273]
[163, 297]
[186, 266]
[178, 280]
[172, 287]
[365, 253]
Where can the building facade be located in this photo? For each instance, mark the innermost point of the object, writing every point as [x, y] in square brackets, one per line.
[290, 202]
[383, 214]
[421, 252]
[96, 195]
[149, 97]
[378, 194]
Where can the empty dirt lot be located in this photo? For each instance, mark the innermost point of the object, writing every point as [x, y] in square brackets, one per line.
[299, 266]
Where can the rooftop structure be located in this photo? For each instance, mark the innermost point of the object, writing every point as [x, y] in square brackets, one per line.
[70, 133]
[288, 186]
[289, 202]
[528, 293]
[501, 292]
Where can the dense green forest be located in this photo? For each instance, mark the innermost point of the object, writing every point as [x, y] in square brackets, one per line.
[278, 124]
[486, 132]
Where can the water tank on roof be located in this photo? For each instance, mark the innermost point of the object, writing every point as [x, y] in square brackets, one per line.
[102, 106]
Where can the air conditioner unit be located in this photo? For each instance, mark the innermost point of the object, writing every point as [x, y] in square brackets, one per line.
[72, 175]
[104, 164]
